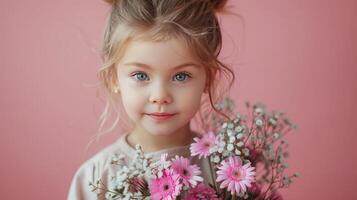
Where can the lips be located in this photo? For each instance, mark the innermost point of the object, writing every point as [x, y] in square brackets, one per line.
[161, 116]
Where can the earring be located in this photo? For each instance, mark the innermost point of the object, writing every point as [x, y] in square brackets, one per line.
[116, 89]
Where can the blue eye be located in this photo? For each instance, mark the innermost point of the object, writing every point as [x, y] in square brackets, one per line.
[182, 76]
[140, 76]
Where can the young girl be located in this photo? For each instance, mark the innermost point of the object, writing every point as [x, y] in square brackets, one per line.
[160, 60]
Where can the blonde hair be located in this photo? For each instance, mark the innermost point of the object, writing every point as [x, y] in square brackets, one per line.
[193, 21]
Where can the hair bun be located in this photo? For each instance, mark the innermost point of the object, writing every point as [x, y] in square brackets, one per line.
[111, 2]
[218, 4]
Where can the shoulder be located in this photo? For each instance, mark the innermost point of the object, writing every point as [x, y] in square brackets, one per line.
[96, 167]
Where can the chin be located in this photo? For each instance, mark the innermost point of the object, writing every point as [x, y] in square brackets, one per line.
[160, 131]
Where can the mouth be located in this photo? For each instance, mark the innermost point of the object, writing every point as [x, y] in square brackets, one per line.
[160, 116]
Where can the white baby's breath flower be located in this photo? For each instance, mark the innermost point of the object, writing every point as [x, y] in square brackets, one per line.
[237, 152]
[123, 170]
[216, 159]
[138, 147]
[272, 121]
[121, 187]
[225, 153]
[258, 122]
[120, 178]
[240, 136]
[276, 136]
[149, 174]
[246, 151]
[220, 146]
[126, 188]
[128, 196]
[162, 163]
[145, 164]
[238, 129]
[213, 149]
[232, 139]
[147, 156]
[238, 116]
[230, 147]
[108, 195]
[229, 132]
[159, 173]
[259, 108]
[224, 125]
[230, 125]
[286, 180]
[240, 144]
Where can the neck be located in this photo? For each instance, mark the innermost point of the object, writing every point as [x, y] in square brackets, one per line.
[152, 143]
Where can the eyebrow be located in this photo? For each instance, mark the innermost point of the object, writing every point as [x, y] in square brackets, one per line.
[143, 65]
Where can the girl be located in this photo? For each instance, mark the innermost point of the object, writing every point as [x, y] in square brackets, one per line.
[159, 60]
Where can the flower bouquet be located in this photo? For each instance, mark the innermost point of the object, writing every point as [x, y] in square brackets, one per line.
[245, 153]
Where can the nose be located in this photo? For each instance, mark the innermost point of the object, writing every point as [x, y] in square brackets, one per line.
[160, 94]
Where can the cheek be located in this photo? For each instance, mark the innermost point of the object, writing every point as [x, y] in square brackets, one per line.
[189, 106]
[133, 102]
[189, 100]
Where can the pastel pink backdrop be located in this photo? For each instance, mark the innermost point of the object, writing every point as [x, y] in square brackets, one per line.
[298, 56]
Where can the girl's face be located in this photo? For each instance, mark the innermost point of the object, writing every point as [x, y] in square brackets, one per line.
[160, 77]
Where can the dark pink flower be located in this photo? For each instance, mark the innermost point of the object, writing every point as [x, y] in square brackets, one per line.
[137, 184]
[255, 188]
[276, 196]
[201, 192]
[254, 154]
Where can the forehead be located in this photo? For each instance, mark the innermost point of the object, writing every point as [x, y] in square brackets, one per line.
[161, 54]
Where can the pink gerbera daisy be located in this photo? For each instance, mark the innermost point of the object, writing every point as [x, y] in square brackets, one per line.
[235, 177]
[202, 192]
[189, 174]
[167, 187]
[202, 146]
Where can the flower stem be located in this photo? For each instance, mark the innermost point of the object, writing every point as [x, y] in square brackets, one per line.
[213, 175]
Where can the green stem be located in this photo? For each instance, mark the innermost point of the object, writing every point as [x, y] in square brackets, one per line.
[213, 173]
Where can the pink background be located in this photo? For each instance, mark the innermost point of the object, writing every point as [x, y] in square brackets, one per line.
[299, 56]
